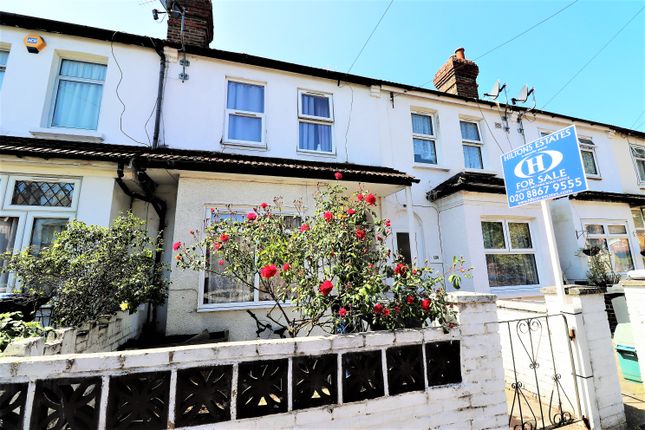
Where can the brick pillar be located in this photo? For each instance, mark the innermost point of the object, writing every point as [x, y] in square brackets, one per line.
[635, 298]
[596, 372]
[198, 23]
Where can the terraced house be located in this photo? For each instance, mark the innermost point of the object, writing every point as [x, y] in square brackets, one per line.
[172, 128]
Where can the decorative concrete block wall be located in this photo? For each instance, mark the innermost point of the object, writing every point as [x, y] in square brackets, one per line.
[102, 336]
[404, 379]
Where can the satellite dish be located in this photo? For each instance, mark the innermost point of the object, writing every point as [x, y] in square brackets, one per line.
[494, 92]
[525, 92]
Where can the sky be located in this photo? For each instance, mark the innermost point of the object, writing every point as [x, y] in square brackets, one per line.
[416, 37]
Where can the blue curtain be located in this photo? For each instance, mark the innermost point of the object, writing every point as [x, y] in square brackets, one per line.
[244, 128]
[424, 151]
[245, 97]
[77, 102]
[422, 124]
[315, 137]
[315, 106]
[469, 131]
[473, 157]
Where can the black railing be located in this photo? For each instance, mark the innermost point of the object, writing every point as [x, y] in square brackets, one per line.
[540, 399]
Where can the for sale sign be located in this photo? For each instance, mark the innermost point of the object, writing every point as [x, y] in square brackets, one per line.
[544, 169]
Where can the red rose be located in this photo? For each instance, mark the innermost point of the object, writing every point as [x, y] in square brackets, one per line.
[409, 300]
[286, 267]
[370, 199]
[338, 176]
[304, 227]
[360, 234]
[328, 216]
[268, 271]
[176, 246]
[217, 245]
[224, 237]
[221, 262]
[359, 197]
[342, 312]
[263, 205]
[400, 269]
[326, 287]
[425, 304]
[371, 266]
[351, 211]
[378, 308]
[386, 312]
[251, 216]
[387, 222]
[397, 309]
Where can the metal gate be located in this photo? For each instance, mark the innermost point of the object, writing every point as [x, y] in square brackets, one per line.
[540, 373]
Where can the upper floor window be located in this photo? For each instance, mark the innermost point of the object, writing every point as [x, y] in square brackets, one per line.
[510, 257]
[316, 116]
[78, 95]
[423, 139]
[244, 113]
[588, 152]
[638, 152]
[4, 55]
[472, 143]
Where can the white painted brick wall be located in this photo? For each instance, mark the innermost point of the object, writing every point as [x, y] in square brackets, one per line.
[103, 336]
[477, 403]
[635, 298]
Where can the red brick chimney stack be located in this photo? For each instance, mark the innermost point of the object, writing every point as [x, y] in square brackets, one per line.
[458, 76]
[198, 23]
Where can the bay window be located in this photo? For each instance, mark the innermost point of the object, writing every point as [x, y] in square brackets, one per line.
[472, 145]
[244, 113]
[423, 139]
[510, 257]
[33, 211]
[79, 90]
[315, 118]
[612, 238]
[639, 222]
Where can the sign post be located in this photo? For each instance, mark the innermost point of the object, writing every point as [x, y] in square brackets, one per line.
[547, 168]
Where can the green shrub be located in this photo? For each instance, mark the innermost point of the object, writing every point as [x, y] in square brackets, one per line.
[13, 327]
[92, 271]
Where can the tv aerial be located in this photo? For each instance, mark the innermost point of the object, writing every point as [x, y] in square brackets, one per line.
[170, 7]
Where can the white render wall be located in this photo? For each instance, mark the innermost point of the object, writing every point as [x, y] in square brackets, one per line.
[369, 128]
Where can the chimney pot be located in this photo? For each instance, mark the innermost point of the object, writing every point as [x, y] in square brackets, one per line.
[458, 76]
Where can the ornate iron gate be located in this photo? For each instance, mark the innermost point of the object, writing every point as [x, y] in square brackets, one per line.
[540, 372]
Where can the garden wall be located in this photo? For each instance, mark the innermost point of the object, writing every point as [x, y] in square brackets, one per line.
[102, 336]
[404, 379]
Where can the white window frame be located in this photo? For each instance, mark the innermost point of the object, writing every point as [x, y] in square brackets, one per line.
[606, 236]
[312, 119]
[640, 231]
[508, 249]
[476, 143]
[262, 115]
[590, 147]
[17, 246]
[11, 183]
[256, 303]
[427, 137]
[50, 119]
[636, 159]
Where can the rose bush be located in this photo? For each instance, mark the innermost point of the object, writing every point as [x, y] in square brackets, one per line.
[336, 269]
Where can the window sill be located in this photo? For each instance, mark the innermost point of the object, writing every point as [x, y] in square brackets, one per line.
[75, 135]
[430, 166]
[245, 145]
[317, 153]
[238, 306]
[594, 177]
[484, 171]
